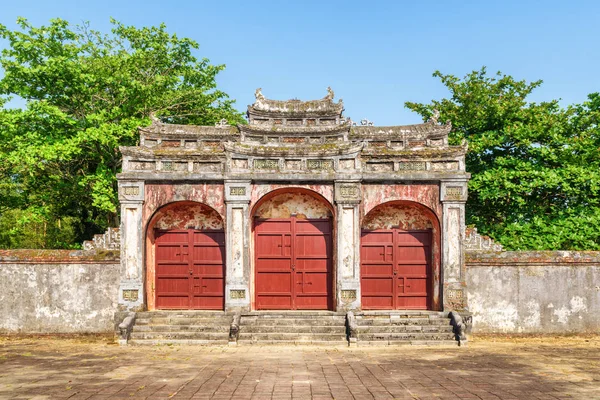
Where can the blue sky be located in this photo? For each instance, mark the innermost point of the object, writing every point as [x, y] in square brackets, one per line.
[374, 54]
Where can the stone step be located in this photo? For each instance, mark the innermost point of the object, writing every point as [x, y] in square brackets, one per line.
[402, 321]
[291, 337]
[402, 313]
[183, 321]
[337, 329]
[328, 343]
[452, 343]
[405, 329]
[404, 336]
[180, 335]
[195, 342]
[293, 313]
[181, 328]
[284, 321]
[182, 314]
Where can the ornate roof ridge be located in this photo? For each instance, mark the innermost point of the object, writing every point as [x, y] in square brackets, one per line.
[425, 127]
[299, 129]
[324, 106]
[162, 128]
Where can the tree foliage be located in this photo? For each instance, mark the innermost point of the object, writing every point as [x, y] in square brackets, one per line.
[86, 93]
[535, 166]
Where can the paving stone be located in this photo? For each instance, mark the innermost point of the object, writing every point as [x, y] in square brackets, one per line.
[61, 369]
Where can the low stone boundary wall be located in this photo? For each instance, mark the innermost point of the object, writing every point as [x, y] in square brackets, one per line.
[58, 291]
[534, 292]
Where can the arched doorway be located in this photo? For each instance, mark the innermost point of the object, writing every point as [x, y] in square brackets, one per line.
[188, 256]
[399, 257]
[293, 251]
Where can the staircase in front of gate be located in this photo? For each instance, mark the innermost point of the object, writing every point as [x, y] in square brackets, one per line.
[181, 327]
[293, 328]
[403, 327]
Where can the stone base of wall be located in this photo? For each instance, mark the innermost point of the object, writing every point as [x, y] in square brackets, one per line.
[57, 291]
[534, 292]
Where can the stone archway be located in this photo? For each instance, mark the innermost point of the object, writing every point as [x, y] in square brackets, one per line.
[400, 257]
[185, 257]
[293, 251]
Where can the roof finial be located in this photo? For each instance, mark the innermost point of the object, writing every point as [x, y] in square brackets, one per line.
[155, 120]
[434, 117]
[258, 94]
[330, 93]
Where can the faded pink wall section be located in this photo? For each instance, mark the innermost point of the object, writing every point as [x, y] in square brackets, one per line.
[258, 191]
[158, 195]
[376, 194]
[285, 205]
[185, 206]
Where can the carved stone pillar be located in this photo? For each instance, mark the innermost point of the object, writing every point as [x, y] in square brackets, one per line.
[453, 195]
[347, 200]
[131, 287]
[237, 245]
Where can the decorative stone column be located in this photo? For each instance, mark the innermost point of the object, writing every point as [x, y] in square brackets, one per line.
[131, 287]
[237, 245]
[453, 195]
[347, 200]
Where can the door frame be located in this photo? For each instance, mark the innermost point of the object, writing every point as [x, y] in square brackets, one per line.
[394, 262]
[190, 261]
[330, 263]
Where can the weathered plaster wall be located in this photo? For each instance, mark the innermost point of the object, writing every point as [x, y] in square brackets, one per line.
[158, 195]
[260, 190]
[55, 293]
[376, 194]
[534, 292]
[285, 205]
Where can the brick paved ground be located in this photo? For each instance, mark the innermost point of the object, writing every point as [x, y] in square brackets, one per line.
[96, 369]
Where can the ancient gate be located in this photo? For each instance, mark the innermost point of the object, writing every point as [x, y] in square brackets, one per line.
[293, 255]
[189, 257]
[396, 258]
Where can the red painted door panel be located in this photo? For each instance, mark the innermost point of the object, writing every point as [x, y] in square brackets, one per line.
[190, 269]
[395, 269]
[293, 264]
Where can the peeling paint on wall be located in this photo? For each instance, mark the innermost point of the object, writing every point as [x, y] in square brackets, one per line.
[388, 216]
[287, 204]
[188, 216]
[159, 195]
[375, 195]
[260, 190]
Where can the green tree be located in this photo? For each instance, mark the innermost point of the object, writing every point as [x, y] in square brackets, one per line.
[86, 93]
[535, 166]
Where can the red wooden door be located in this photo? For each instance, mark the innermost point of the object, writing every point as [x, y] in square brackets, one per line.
[395, 269]
[293, 264]
[190, 269]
